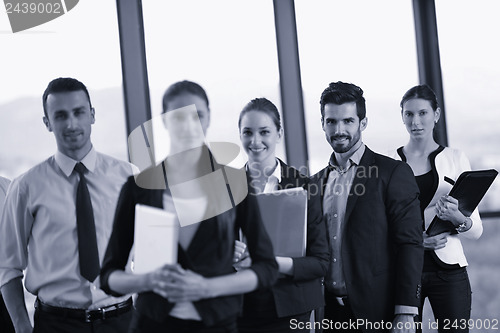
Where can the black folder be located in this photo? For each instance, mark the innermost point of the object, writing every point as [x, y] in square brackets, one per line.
[469, 190]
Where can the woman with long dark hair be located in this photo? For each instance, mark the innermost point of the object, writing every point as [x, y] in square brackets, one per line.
[444, 279]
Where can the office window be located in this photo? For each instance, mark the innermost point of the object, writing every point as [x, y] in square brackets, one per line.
[226, 46]
[368, 43]
[471, 81]
[83, 44]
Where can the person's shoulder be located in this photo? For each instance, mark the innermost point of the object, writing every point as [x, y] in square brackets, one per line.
[152, 178]
[387, 165]
[393, 153]
[113, 164]
[35, 175]
[383, 159]
[318, 175]
[453, 158]
[38, 171]
[289, 171]
[4, 184]
[449, 152]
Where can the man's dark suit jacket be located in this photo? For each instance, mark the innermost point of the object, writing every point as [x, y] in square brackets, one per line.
[301, 292]
[382, 249]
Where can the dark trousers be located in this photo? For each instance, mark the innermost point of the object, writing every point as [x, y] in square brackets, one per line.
[5, 322]
[339, 316]
[143, 324]
[51, 323]
[450, 296]
[274, 325]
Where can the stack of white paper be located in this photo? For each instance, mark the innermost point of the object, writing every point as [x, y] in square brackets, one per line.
[156, 237]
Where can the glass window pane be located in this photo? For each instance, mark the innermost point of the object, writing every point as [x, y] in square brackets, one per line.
[346, 41]
[226, 46]
[471, 79]
[468, 39]
[83, 44]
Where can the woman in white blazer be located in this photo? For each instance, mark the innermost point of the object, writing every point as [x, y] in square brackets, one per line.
[444, 278]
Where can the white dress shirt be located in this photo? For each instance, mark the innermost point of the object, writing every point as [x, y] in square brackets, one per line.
[38, 228]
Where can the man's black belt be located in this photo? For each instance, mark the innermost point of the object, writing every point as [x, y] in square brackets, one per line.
[86, 315]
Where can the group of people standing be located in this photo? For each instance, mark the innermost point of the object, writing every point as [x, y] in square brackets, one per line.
[368, 267]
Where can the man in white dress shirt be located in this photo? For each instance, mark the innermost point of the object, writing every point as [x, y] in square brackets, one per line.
[40, 225]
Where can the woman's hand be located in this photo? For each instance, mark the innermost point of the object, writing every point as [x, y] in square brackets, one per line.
[240, 251]
[435, 242]
[187, 286]
[285, 265]
[447, 209]
[241, 257]
[157, 281]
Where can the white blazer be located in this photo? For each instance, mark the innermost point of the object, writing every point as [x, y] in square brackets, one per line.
[450, 163]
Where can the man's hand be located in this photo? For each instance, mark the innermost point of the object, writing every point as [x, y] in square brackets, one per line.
[403, 323]
[13, 296]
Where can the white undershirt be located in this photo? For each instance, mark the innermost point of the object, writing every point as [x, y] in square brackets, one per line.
[184, 310]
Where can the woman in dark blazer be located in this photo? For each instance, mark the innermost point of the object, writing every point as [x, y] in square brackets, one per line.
[201, 294]
[298, 291]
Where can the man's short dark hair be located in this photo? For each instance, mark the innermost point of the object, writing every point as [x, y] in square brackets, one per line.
[340, 93]
[183, 87]
[63, 84]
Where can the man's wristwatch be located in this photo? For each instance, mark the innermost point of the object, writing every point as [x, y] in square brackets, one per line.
[463, 226]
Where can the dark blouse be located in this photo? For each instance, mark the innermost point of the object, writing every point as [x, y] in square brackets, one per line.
[425, 184]
[210, 252]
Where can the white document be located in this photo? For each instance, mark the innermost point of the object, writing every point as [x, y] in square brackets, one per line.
[156, 238]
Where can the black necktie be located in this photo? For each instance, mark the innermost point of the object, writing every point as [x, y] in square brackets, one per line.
[87, 242]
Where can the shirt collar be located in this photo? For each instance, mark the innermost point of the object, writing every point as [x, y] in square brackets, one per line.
[67, 164]
[354, 159]
[276, 173]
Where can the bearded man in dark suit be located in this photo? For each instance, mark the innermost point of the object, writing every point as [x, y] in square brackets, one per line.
[370, 206]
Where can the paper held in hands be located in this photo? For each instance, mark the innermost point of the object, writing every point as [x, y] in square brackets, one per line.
[284, 214]
[156, 238]
[469, 190]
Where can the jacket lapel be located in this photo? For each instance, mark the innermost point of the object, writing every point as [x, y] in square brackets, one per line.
[288, 176]
[317, 185]
[360, 178]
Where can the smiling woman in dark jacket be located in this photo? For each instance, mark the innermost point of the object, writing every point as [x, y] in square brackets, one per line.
[298, 291]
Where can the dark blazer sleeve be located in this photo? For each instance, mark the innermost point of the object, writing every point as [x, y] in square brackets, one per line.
[122, 236]
[403, 210]
[259, 244]
[315, 263]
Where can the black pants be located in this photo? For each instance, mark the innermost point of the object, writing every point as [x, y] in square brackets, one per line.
[274, 325]
[339, 316]
[50, 323]
[5, 322]
[143, 324]
[450, 296]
